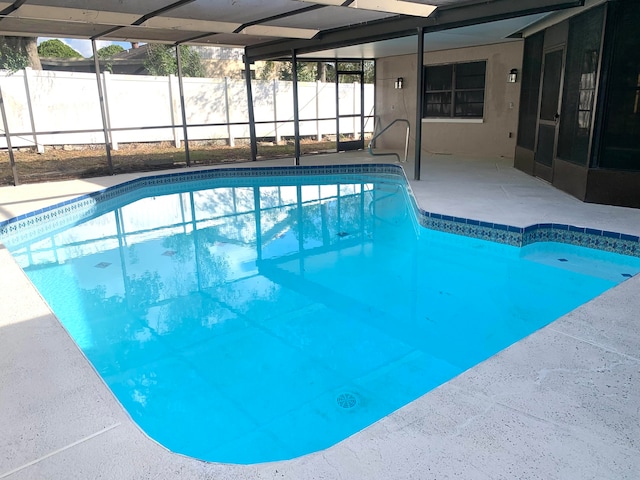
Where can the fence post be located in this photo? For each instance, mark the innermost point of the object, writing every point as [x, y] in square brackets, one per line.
[227, 106]
[5, 124]
[103, 114]
[318, 132]
[275, 111]
[172, 105]
[28, 74]
[355, 89]
[106, 78]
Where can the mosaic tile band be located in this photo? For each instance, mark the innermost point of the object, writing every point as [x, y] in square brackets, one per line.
[66, 213]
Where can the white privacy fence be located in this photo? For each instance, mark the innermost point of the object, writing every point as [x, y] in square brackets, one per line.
[63, 108]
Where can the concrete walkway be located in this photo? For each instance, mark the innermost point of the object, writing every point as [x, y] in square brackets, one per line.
[561, 404]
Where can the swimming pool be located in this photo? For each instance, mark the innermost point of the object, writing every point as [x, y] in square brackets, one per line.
[358, 333]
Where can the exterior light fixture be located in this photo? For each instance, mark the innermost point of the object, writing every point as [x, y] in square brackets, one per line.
[513, 75]
[399, 83]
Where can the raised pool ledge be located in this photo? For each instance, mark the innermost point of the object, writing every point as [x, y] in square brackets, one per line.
[62, 214]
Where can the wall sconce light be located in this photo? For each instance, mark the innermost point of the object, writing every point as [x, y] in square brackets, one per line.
[399, 83]
[513, 75]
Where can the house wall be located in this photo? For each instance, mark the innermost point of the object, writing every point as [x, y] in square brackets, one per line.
[495, 136]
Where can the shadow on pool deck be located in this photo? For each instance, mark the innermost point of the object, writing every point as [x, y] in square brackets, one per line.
[560, 404]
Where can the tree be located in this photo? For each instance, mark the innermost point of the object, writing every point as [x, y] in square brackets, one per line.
[109, 51]
[161, 60]
[57, 49]
[17, 53]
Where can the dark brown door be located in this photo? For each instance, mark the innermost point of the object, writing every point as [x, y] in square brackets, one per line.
[549, 115]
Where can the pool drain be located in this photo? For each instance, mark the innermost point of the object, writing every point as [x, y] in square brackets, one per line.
[347, 400]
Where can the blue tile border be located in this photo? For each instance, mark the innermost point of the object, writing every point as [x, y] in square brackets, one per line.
[72, 211]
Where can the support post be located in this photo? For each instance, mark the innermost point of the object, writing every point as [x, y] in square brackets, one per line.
[362, 101]
[318, 131]
[296, 114]
[227, 107]
[419, 103]
[107, 81]
[28, 74]
[105, 128]
[252, 118]
[7, 135]
[275, 111]
[172, 110]
[354, 119]
[183, 107]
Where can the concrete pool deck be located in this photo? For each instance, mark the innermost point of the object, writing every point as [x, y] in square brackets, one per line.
[564, 403]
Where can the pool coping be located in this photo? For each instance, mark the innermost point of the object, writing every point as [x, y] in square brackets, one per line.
[84, 205]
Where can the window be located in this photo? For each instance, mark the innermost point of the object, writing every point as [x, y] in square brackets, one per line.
[455, 91]
[587, 88]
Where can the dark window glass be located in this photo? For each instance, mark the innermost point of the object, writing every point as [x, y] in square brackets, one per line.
[438, 104]
[621, 131]
[455, 90]
[470, 75]
[578, 96]
[439, 78]
[469, 103]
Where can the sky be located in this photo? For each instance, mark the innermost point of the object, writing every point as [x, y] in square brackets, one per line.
[84, 46]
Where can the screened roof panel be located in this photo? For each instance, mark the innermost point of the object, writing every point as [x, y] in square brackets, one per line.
[139, 7]
[330, 17]
[279, 25]
[236, 11]
[231, 39]
[152, 35]
[47, 28]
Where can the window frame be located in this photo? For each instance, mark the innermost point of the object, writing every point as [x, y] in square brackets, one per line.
[452, 93]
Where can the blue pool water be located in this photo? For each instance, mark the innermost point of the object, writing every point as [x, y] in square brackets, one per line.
[263, 321]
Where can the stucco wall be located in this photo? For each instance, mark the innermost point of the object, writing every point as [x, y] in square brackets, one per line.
[489, 138]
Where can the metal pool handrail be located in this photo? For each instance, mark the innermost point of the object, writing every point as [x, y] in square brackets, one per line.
[406, 142]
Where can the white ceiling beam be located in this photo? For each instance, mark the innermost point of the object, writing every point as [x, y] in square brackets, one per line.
[27, 11]
[173, 23]
[389, 6]
[273, 31]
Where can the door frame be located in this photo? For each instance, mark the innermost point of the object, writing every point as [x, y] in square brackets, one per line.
[342, 146]
[540, 170]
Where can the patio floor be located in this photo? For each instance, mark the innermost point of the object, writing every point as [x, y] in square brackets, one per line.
[560, 404]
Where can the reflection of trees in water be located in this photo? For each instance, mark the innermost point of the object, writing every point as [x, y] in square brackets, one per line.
[181, 244]
[213, 269]
[202, 262]
[133, 254]
[144, 290]
[97, 302]
[351, 215]
[323, 221]
[197, 252]
[194, 311]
